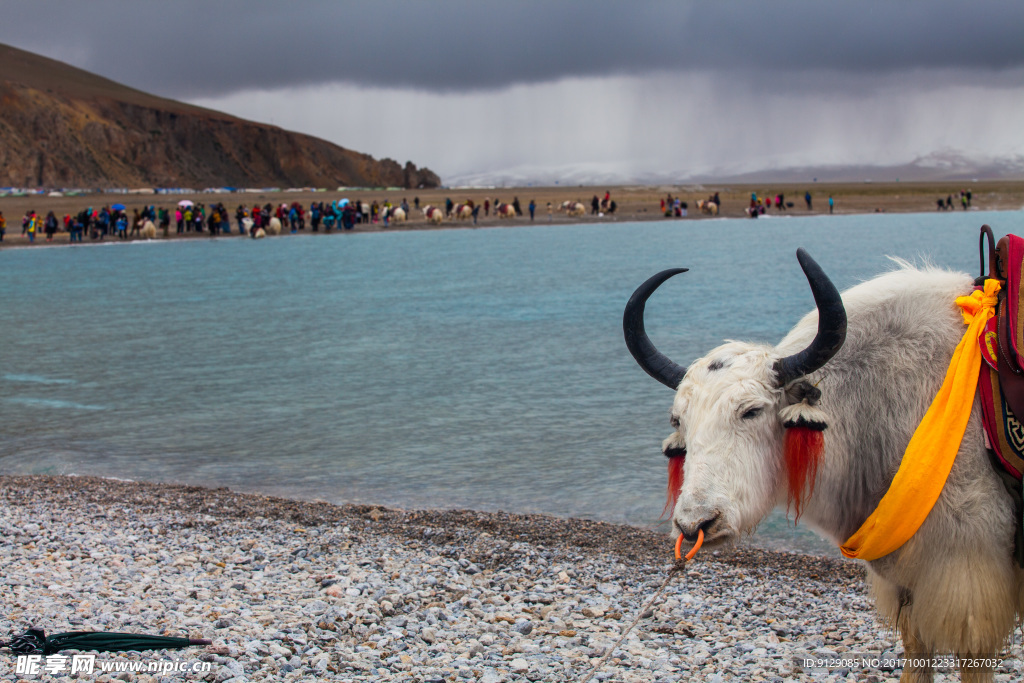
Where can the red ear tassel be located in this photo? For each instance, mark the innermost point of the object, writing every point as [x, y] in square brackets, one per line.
[803, 449]
[675, 482]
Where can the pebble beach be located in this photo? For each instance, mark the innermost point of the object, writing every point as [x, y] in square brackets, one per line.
[297, 591]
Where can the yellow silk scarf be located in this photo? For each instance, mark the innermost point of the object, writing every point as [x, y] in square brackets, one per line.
[929, 456]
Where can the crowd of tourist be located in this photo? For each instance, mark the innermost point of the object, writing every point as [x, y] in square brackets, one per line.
[114, 221]
[107, 221]
[193, 218]
[675, 207]
[964, 197]
[189, 218]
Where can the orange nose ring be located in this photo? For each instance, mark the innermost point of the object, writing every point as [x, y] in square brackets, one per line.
[693, 550]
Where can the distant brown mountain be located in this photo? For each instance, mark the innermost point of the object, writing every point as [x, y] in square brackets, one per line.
[64, 127]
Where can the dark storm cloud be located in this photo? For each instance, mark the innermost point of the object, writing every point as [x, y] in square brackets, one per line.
[191, 48]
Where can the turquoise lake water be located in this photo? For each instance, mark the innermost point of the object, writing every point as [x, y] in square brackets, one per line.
[449, 368]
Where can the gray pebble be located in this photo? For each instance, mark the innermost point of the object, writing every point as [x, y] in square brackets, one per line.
[356, 602]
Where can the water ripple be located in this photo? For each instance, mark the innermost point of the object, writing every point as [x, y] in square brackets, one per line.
[37, 379]
[51, 403]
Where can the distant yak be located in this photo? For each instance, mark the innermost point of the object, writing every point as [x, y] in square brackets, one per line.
[433, 214]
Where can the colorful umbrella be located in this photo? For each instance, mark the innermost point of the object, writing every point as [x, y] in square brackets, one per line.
[185, 203]
[118, 207]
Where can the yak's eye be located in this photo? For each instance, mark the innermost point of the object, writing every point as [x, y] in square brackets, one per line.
[674, 421]
[751, 413]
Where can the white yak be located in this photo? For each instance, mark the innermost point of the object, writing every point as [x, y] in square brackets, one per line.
[866, 365]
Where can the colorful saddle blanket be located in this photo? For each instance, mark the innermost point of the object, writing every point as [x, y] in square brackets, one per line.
[1001, 383]
[1003, 431]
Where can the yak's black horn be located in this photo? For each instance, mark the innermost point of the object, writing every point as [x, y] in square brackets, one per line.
[831, 326]
[654, 363]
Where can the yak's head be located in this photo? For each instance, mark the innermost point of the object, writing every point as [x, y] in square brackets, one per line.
[746, 428]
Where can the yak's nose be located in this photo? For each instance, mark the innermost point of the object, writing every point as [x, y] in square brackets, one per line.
[689, 529]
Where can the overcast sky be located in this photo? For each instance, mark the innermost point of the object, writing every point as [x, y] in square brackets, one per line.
[552, 89]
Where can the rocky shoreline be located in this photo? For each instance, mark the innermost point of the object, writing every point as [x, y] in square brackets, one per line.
[291, 590]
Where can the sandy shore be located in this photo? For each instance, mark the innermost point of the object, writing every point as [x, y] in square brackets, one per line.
[635, 203]
[293, 590]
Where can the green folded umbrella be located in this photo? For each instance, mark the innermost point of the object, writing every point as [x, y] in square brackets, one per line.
[36, 642]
